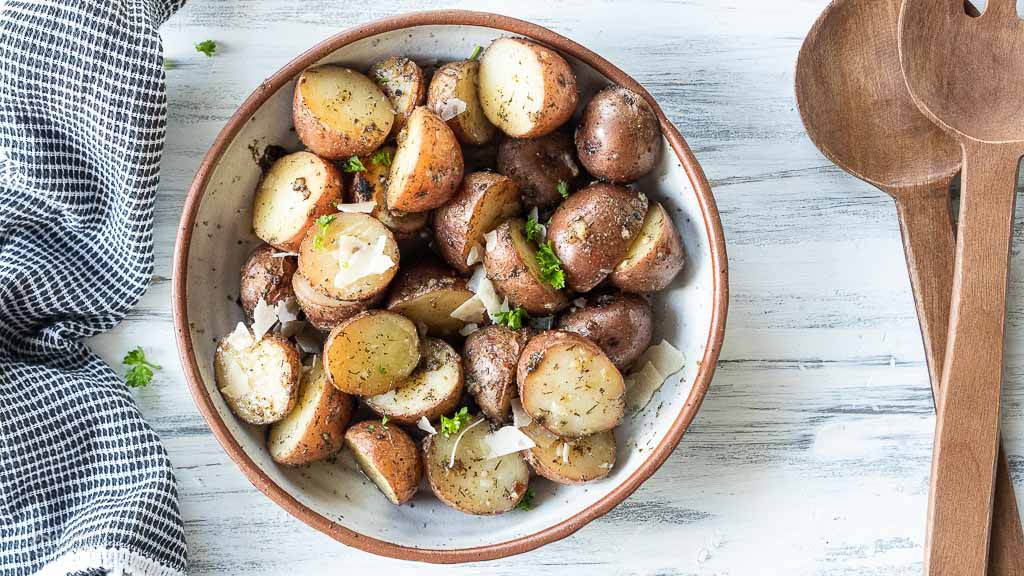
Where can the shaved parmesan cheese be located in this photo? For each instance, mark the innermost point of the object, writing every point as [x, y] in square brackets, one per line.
[451, 108]
[478, 276]
[571, 164]
[480, 285]
[565, 452]
[491, 240]
[425, 425]
[357, 259]
[308, 341]
[506, 440]
[289, 329]
[357, 207]
[239, 381]
[542, 322]
[455, 446]
[476, 255]
[469, 329]
[579, 302]
[504, 305]
[284, 254]
[520, 417]
[240, 338]
[641, 386]
[666, 358]
[287, 310]
[534, 213]
[263, 319]
[471, 310]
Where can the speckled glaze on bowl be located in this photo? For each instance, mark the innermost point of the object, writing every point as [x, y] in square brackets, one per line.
[215, 237]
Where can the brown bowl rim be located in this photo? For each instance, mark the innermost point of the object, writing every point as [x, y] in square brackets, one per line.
[552, 533]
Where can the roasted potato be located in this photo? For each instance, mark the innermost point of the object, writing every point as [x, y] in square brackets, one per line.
[537, 165]
[569, 386]
[315, 428]
[293, 193]
[388, 457]
[618, 138]
[351, 257]
[259, 380]
[573, 461]
[428, 292]
[371, 185]
[512, 266]
[403, 83]
[427, 167]
[526, 90]
[462, 477]
[323, 312]
[371, 353]
[592, 230]
[654, 258]
[620, 324]
[339, 113]
[489, 359]
[482, 202]
[265, 277]
[455, 87]
[433, 389]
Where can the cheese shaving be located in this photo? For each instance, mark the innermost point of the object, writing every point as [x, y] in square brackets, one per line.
[451, 108]
[491, 240]
[287, 310]
[263, 319]
[308, 342]
[284, 254]
[480, 285]
[241, 338]
[455, 446]
[471, 310]
[565, 452]
[469, 329]
[239, 381]
[641, 386]
[357, 259]
[292, 328]
[506, 440]
[579, 302]
[666, 358]
[426, 426]
[476, 255]
[357, 207]
[520, 417]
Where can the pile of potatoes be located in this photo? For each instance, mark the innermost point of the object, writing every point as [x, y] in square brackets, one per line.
[477, 322]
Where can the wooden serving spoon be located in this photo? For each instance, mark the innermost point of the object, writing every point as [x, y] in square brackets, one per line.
[857, 110]
[964, 73]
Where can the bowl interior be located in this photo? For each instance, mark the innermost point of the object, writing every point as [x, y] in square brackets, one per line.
[336, 490]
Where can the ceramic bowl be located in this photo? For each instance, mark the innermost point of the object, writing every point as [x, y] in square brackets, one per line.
[215, 237]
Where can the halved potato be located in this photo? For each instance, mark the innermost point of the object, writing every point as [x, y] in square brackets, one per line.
[293, 193]
[427, 166]
[315, 428]
[569, 386]
[324, 313]
[371, 353]
[428, 292]
[482, 202]
[457, 82]
[339, 113]
[259, 380]
[654, 258]
[403, 83]
[573, 461]
[348, 258]
[489, 359]
[592, 230]
[462, 477]
[371, 185]
[526, 89]
[433, 389]
[265, 277]
[511, 263]
[388, 457]
[621, 324]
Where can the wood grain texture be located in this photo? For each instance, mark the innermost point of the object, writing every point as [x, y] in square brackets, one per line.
[818, 427]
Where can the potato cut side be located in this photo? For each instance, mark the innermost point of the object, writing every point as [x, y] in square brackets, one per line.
[655, 257]
[433, 389]
[295, 191]
[315, 428]
[569, 386]
[324, 313]
[455, 90]
[427, 293]
[427, 167]
[339, 113]
[371, 186]
[353, 257]
[403, 83]
[490, 356]
[526, 89]
[388, 457]
[371, 353]
[462, 477]
[573, 461]
[258, 380]
[483, 200]
[511, 264]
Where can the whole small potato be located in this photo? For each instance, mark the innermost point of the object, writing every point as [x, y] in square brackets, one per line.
[265, 277]
[620, 324]
[537, 165]
[618, 138]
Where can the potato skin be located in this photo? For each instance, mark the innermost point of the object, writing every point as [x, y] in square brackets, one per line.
[461, 80]
[656, 269]
[326, 433]
[621, 324]
[537, 165]
[511, 273]
[402, 81]
[323, 312]
[482, 201]
[489, 360]
[392, 453]
[421, 280]
[265, 278]
[371, 185]
[618, 138]
[428, 165]
[592, 230]
[355, 139]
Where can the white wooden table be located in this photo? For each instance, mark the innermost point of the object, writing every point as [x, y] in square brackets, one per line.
[812, 450]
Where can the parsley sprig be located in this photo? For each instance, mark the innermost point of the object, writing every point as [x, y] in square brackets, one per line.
[532, 229]
[514, 319]
[550, 266]
[476, 52]
[322, 223]
[452, 425]
[140, 371]
[382, 157]
[354, 164]
[208, 47]
[526, 504]
[563, 188]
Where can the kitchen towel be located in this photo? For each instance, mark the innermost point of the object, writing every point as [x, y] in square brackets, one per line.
[85, 485]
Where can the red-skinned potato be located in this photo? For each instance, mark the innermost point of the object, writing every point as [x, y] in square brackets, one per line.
[538, 165]
[427, 167]
[403, 84]
[388, 457]
[458, 81]
[489, 359]
[618, 138]
[427, 293]
[620, 324]
[483, 200]
[324, 312]
[315, 428]
[511, 265]
[371, 185]
[295, 191]
[655, 257]
[340, 113]
[265, 277]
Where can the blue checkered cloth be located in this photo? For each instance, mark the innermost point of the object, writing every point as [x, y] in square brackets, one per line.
[85, 485]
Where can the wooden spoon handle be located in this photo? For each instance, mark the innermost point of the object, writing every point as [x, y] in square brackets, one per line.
[967, 427]
[927, 227]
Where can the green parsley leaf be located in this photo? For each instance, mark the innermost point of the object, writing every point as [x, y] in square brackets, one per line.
[452, 425]
[532, 229]
[207, 47]
[563, 188]
[550, 266]
[382, 157]
[382, 370]
[384, 422]
[476, 52]
[140, 372]
[526, 504]
[513, 319]
[322, 223]
[354, 164]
